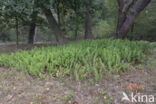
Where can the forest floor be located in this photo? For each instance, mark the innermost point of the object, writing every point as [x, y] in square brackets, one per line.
[17, 87]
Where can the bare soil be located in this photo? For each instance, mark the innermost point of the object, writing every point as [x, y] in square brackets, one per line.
[17, 87]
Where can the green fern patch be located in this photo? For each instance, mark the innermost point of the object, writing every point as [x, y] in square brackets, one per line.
[82, 60]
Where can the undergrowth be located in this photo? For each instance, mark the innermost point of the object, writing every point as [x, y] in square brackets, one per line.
[84, 59]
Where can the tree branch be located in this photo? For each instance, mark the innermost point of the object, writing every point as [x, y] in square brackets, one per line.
[134, 12]
[121, 4]
[140, 5]
[127, 7]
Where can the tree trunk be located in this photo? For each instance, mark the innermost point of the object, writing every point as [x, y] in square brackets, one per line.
[1, 31]
[17, 32]
[132, 28]
[58, 13]
[32, 29]
[54, 26]
[121, 16]
[32, 33]
[125, 21]
[76, 26]
[76, 33]
[88, 24]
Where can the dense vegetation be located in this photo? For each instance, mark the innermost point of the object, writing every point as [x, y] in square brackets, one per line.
[28, 20]
[84, 59]
[107, 43]
[74, 20]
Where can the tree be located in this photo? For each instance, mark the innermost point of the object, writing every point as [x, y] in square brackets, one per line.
[88, 20]
[13, 11]
[32, 29]
[33, 23]
[91, 7]
[88, 23]
[75, 15]
[127, 14]
[45, 6]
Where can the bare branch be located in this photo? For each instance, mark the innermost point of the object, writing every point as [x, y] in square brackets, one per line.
[127, 7]
[140, 5]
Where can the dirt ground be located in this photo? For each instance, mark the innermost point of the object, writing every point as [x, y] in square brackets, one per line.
[17, 87]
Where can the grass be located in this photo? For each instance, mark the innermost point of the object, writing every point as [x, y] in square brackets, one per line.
[82, 60]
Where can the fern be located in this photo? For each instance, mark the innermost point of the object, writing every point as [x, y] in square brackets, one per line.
[82, 60]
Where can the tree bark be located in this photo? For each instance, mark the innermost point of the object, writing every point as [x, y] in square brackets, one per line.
[58, 13]
[88, 24]
[121, 16]
[53, 24]
[32, 33]
[76, 32]
[76, 26]
[32, 29]
[17, 32]
[132, 28]
[1, 31]
[126, 18]
[76, 10]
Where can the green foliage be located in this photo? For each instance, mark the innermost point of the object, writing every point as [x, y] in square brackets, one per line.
[104, 29]
[70, 16]
[151, 60]
[4, 36]
[83, 60]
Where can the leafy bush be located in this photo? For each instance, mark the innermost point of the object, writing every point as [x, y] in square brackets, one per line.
[83, 59]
